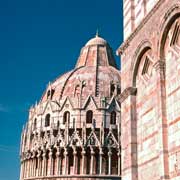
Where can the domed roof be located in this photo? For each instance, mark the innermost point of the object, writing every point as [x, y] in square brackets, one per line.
[94, 72]
[96, 41]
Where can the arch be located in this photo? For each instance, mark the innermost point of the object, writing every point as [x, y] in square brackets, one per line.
[113, 117]
[140, 51]
[47, 120]
[112, 88]
[66, 117]
[89, 116]
[168, 20]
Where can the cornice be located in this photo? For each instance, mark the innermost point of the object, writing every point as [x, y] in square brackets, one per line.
[126, 43]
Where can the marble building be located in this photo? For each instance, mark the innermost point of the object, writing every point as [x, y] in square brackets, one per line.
[150, 90]
[74, 130]
[97, 122]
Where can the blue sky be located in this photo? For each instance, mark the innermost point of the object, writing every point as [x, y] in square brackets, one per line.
[39, 40]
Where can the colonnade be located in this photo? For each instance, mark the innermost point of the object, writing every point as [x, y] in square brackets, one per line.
[71, 161]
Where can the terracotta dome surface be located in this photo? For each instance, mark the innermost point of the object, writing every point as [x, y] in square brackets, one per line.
[66, 84]
[95, 70]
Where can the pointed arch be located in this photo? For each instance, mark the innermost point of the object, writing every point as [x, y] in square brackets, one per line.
[66, 117]
[47, 120]
[113, 117]
[89, 116]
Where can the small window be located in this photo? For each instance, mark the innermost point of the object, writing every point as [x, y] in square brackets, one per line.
[66, 117]
[112, 89]
[35, 124]
[77, 91]
[50, 93]
[47, 120]
[113, 117]
[89, 116]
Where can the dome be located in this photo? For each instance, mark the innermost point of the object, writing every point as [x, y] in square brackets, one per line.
[95, 83]
[74, 130]
[96, 68]
[96, 41]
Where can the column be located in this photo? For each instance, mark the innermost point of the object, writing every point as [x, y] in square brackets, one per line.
[119, 163]
[22, 169]
[100, 161]
[32, 161]
[44, 163]
[58, 159]
[38, 163]
[25, 169]
[83, 170]
[161, 117]
[34, 166]
[92, 162]
[28, 167]
[50, 163]
[109, 161]
[129, 126]
[75, 162]
[40, 166]
[66, 163]
[31, 167]
[24, 172]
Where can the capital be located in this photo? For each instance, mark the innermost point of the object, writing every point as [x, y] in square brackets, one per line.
[159, 65]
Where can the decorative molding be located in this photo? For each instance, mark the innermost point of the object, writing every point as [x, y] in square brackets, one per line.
[127, 92]
[169, 12]
[126, 43]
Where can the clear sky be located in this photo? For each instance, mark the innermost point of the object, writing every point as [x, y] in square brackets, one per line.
[39, 40]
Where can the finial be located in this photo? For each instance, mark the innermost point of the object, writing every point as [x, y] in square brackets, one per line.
[97, 32]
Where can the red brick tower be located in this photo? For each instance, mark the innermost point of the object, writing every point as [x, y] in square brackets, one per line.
[150, 99]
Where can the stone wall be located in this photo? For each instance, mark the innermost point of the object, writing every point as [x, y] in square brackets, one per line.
[150, 117]
[134, 12]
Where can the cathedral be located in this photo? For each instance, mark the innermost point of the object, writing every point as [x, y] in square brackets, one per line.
[96, 122]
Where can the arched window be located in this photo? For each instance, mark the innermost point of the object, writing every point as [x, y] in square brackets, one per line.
[66, 117]
[112, 89]
[47, 120]
[50, 93]
[113, 117]
[89, 116]
[35, 124]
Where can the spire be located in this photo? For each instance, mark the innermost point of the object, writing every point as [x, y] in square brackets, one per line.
[97, 32]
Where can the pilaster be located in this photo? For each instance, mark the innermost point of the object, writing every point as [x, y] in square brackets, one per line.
[162, 120]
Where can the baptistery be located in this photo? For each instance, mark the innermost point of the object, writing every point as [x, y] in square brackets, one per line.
[73, 132]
